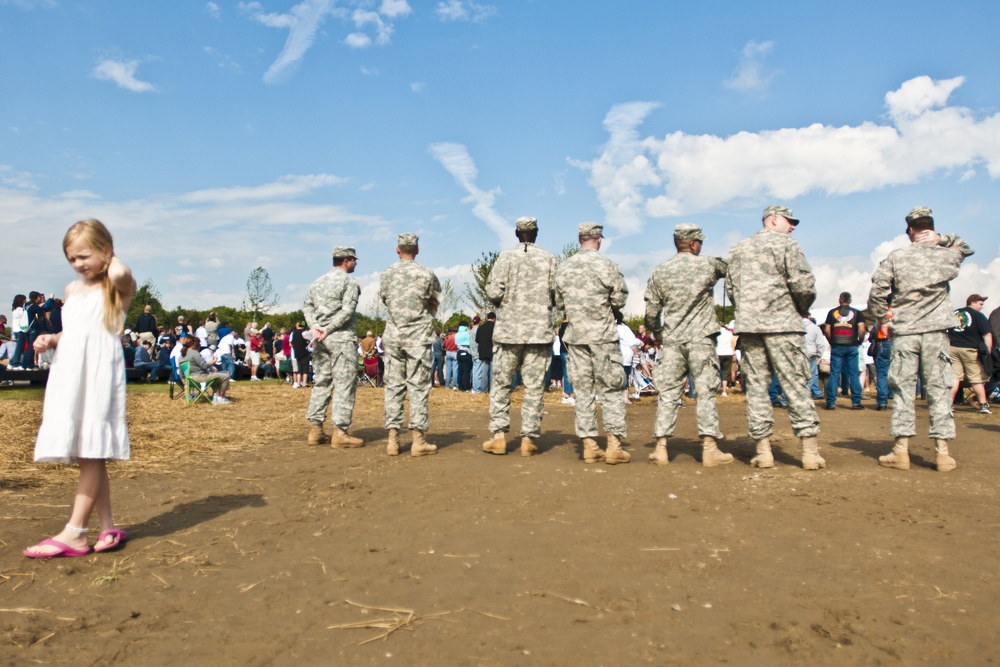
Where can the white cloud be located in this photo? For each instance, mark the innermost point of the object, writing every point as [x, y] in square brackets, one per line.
[749, 75]
[122, 73]
[394, 8]
[682, 174]
[213, 10]
[358, 40]
[302, 23]
[369, 71]
[418, 86]
[464, 10]
[12, 178]
[29, 4]
[456, 160]
[233, 226]
[383, 30]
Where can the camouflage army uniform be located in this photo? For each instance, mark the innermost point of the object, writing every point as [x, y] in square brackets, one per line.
[522, 287]
[916, 277]
[410, 293]
[588, 286]
[773, 287]
[331, 303]
[681, 290]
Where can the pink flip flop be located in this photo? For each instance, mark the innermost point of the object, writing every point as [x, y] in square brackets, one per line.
[120, 536]
[65, 551]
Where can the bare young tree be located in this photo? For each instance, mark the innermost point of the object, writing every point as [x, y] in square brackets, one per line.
[450, 300]
[261, 296]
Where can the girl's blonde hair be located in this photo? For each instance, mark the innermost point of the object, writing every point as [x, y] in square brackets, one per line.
[96, 236]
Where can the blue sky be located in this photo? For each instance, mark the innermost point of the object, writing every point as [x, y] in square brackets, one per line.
[215, 137]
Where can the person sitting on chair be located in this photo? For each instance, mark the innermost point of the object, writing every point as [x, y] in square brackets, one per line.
[201, 371]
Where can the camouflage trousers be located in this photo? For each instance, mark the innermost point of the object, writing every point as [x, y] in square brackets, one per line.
[407, 369]
[700, 360]
[785, 354]
[909, 353]
[533, 360]
[335, 375]
[596, 371]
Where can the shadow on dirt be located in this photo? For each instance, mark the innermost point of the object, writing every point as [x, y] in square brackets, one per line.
[187, 515]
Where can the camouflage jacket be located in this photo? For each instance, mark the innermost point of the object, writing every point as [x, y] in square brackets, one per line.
[411, 293]
[680, 290]
[770, 283]
[331, 302]
[522, 286]
[917, 277]
[588, 286]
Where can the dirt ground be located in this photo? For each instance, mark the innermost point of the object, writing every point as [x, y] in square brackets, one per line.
[270, 552]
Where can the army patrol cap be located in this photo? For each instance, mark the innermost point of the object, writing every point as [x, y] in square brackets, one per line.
[919, 213]
[526, 224]
[688, 230]
[344, 252]
[407, 239]
[783, 211]
[591, 229]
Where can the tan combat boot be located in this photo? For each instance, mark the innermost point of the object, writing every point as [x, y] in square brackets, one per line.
[710, 454]
[528, 448]
[944, 462]
[615, 453]
[659, 455]
[420, 446]
[591, 452]
[316, 435]
[764, 458]
[496, 445]
[392, 449]
[341, 440]
[899, 457]
[811, 460]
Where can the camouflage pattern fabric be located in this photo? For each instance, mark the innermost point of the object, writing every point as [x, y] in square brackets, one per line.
[331, 303]
[596, 370]
[698, 358]
[335, 372]
[533, 360]
[411, 294]
[917, 277]
[909, 353]
[785, 354]
[771, 284]
[588, 286]
[407, 369]
[522, 286]
[680, 290]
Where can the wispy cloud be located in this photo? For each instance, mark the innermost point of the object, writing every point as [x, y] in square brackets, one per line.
[682, 174]
[418, 86]
[122, 73]
[456, 160]
[750, 75]
[304, 20]
[464, 10]
[213, 10]
[29, 4]
[235, 225]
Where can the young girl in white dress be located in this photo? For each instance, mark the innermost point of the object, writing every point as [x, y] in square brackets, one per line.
[83, 418]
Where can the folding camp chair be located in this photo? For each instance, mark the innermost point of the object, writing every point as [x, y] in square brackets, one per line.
[368, 372]
[195, 391]
[175, 379]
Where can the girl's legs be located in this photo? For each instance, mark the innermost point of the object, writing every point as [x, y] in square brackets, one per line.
[93, 491]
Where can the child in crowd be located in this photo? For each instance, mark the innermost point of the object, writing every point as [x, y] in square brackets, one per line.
[83, 418]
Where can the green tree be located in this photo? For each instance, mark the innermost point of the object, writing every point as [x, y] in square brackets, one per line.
[569, 250]
[475, 293]
[260, 294]
[146, 295]
[450, 300]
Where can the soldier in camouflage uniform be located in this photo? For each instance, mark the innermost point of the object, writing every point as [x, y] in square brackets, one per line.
[681, 315]
[916, 278]
[329, 310]
[411, 294]
[773, 287]
[522, 286]
[589, 287]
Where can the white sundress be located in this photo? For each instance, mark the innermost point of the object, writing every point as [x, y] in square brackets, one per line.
[84, 410]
